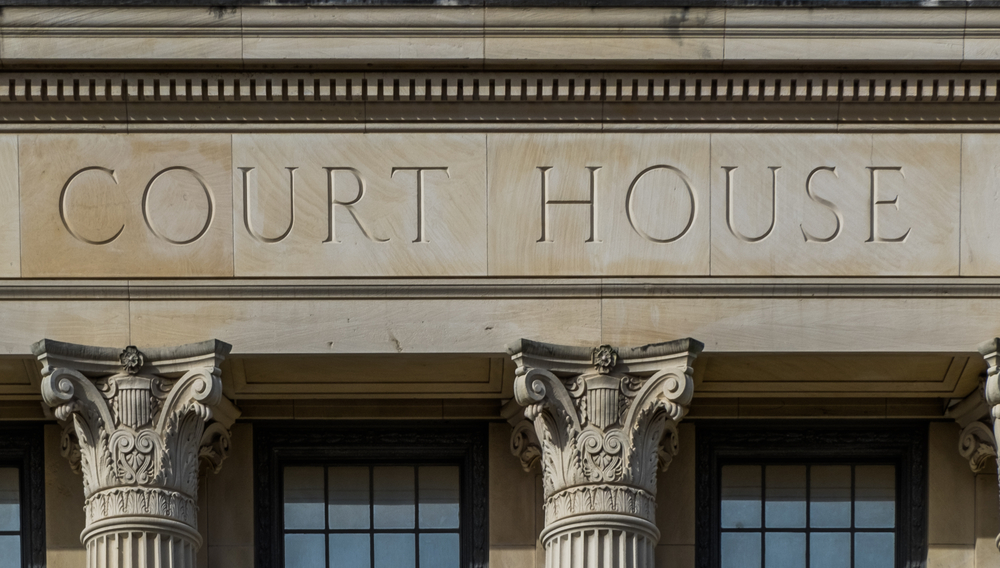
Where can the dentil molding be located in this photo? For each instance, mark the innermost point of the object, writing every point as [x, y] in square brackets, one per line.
[499, 87]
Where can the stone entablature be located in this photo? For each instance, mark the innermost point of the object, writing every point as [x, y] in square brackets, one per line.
[500, 36]
[601, 422]
[138, 426]
[498, 204]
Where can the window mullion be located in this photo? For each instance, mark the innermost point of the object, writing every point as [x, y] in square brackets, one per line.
[371, 514]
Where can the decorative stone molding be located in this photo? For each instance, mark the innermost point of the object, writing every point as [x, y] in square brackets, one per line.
[977, 442]
[991, 352]
[581, 87]
[138, 424]
[601, 422]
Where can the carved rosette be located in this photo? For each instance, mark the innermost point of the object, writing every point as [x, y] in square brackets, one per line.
[138, 425]
[601, 422]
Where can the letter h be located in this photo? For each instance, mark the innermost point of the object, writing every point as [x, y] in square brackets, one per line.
[546, 227]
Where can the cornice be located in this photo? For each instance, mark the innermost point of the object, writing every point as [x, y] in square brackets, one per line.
[484, 36]
[496, 288]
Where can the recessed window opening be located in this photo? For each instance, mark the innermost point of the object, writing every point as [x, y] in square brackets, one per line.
[374, 516]
[819, 515]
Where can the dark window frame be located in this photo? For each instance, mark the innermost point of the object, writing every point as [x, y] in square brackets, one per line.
[23, 446]
[405, 443]
[903, 443]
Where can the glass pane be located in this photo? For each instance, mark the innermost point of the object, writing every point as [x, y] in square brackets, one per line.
[395, 550]
[785, 550]
[304, 498]
[438, 497]
[349, 550]
[741, 550]
[830, 550]
[874, 550]
[830, 496]
[10, 497]
[10, 551]
[439, 550]
[394, 498]
[875, 496]
[785, 497]
[348, 497]
[304, 551]
[741, 497]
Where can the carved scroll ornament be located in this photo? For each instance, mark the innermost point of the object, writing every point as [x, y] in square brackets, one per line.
[601, 422]
[991, 352]
[138, 425]
[976, 442]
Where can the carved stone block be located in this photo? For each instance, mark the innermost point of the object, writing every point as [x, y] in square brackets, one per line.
[601, 422]
[138, 424]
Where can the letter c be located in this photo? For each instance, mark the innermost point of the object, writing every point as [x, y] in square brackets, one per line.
[62, 206]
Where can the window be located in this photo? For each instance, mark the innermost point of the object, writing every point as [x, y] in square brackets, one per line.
[22, 496]
[809, 496]
[333, 496]
[363, 516]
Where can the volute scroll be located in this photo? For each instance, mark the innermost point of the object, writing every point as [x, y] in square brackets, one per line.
[601, 422]
[137, 425]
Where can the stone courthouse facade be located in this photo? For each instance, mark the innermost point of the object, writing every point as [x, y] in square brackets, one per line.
[503, 283]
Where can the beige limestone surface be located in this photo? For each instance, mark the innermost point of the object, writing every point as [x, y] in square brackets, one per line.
[636, 36]
[129, 205]
[412, 205]
[844, 34]
[64, 516]
[349, 35]
[835, 204]
[641, 204]
[980, 205]
[10, 218]
[360, 327]
[256, 36]
[36, 36]
[515, 204]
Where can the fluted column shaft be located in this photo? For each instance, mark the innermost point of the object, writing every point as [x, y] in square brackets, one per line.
[138, 434]
[601, 422]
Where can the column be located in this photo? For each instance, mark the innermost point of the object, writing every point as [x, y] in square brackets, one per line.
[138, 424]
[601, 422]
[991, 352]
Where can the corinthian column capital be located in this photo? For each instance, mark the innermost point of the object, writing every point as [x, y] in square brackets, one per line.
[602, 422]
[991, 352]
[139, 423]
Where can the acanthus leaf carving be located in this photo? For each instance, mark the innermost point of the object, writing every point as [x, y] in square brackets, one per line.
[991, 352]
[977, 443]
[136, 431]
[601, 417]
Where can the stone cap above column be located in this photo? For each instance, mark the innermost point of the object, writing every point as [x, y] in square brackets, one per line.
[573, 359]
[91, 360]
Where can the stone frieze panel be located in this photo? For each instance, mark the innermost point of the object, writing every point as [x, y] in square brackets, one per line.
[498, 204]
[360, 205]
[835, 204]
[125, 205]
[599, 204]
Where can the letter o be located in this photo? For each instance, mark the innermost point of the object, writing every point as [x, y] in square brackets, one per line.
[146, 213]
[631, 213]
